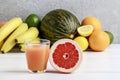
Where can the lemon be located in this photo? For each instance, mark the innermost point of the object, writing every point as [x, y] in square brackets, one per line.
[82, 42]
[85, 30]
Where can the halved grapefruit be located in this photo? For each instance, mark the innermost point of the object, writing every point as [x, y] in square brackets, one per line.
[65, 55]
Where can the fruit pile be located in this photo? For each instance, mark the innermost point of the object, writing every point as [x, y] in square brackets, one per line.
[15, 32]
[56, 24]
[59, 24]
[90, 34]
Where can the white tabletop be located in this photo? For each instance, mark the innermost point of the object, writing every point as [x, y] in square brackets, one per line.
[95, 66]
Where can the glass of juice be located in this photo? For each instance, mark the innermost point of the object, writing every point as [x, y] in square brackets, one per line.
[37, 53]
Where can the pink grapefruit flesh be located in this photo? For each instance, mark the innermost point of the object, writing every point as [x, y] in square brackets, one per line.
[65, 55]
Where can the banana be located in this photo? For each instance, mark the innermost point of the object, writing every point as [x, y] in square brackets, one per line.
[31, 33]
[22, 45]
[10, 42]
[9, 27]
[8, 47]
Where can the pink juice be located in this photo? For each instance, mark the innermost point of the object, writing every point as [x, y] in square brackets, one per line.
[37, 56]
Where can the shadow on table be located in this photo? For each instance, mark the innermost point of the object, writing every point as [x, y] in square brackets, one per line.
[20, 71]
[14, 71]
[54, 72]
[25, 71]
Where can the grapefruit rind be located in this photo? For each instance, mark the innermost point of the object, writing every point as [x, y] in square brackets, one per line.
[63, 41]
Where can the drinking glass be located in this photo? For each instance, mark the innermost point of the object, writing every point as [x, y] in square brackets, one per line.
[37, 53]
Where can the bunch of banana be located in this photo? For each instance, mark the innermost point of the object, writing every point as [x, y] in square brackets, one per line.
[15, 31]
[9, 27]
[10, 41]
[31, 33]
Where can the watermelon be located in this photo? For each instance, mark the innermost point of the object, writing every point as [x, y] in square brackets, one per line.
[58, 24]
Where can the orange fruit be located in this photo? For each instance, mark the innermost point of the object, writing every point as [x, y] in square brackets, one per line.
[99, 40]
[90, 20]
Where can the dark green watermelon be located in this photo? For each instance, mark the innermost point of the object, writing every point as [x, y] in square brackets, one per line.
[58, 24]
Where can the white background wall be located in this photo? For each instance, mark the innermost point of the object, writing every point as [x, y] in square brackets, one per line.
[107, 11]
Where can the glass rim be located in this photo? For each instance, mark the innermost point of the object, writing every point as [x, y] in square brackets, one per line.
[40, 39]
[37, 38]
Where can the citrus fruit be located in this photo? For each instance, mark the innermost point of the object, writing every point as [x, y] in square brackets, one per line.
[111, 36]
[85, 30]
[82, 42]
[33, 20]
[65, 55]
[90, 20]
[99, 40]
